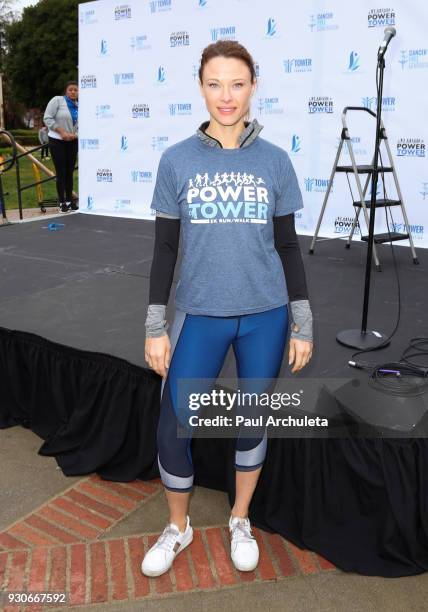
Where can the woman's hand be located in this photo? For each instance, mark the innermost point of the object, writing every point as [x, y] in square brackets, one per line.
[61, 132]
[300, 352]
[69, 136]
[157, 354]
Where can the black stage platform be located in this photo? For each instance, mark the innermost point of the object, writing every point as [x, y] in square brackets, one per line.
[72, 311]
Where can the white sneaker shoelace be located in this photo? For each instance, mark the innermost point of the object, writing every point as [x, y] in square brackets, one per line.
[168, 539]
[241, 531]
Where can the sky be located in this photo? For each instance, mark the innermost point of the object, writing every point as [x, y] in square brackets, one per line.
[20, 4]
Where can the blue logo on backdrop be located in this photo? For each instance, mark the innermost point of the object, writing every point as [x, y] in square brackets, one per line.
[104, 175]
[343, 225]
[140, 111]
[269, 106]
[103, 111]
[417, 231]
[87, 17]
[356, 142]
[424, 192]
[226, 32]
[320, 22]
[103, 48]
[124, 143]
[202, 3]
[295, 144]
[122, 205]
[271, 28]
[159, 143]
[257, 69]
[316, 184]
[157, 6]
[141, 176]
[377, 190]
[410, 147]
[122, 12]
[179, 39]
[388, 104]
[139, 42]
[379, 18]
[320, 104]
[161, 77]
[297, 64]
[354, 61]
[123, 78]
[180, 109]
[89, 203]
[413, 58]
[88, 81]
[89, 144]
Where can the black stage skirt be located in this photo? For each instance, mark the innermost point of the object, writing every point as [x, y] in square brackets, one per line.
[360, 503]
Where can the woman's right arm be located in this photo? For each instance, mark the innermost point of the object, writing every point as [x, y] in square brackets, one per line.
[167, 235]
[49, 118]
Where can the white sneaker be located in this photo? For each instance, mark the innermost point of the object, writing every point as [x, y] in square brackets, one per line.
[160, 556]
[243, 545]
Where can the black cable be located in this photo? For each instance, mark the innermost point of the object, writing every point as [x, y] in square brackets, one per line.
[397, 378]
[419, 346]
[404, 377]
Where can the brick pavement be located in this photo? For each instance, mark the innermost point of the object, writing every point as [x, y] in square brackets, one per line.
[57, 547]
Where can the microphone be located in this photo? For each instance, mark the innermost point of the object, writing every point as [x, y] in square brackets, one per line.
[389, 33]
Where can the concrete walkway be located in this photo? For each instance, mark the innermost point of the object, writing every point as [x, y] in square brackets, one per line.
[32, 214]
[86, 537]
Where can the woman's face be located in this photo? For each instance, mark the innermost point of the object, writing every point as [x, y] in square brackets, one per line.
[227, 89]
[72, 92]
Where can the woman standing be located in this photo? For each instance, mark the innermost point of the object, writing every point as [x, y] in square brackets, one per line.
[233, 194]
[61, 117]
[44, 140]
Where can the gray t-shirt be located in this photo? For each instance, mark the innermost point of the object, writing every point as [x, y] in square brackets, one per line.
[226, 199]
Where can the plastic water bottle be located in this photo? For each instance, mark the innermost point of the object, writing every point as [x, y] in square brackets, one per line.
[53, 227]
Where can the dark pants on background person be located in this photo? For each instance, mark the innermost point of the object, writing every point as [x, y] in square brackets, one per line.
[64, 155]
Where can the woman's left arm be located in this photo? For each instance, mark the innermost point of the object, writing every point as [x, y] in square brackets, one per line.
[287, 245]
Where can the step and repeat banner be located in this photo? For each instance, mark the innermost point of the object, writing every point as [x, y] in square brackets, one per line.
[139, 94]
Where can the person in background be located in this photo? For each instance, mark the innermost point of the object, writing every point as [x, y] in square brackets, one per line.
[61, 117]
[44, 140]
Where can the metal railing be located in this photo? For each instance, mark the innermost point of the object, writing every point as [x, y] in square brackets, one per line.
[15, 160]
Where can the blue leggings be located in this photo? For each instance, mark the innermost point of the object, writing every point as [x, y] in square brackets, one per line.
[199, 346]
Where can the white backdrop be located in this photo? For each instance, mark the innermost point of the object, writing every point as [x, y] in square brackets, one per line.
[138, 64]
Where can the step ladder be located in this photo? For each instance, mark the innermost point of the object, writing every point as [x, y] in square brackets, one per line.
[364, 204]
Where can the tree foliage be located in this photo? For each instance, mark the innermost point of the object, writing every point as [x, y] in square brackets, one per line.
[7, 16]
[42, 51]
[8, 11]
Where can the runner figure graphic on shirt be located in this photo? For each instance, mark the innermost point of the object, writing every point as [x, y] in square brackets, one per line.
[228, 197]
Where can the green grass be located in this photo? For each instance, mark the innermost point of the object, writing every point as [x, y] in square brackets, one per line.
[23, 136]
[29, 196]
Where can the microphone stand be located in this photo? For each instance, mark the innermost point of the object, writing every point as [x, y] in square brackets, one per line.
[368, 339]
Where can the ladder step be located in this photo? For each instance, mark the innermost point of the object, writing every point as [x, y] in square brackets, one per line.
[363, 169]
[380, 238]
[381, 203]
